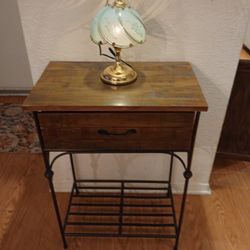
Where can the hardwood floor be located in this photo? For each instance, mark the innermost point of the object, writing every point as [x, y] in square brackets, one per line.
[12, 99]
[244, 55]
[27, 220]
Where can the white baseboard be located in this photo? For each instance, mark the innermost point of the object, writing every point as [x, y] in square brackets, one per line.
[194, 188]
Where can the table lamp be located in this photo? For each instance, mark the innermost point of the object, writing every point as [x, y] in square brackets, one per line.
[119, 25]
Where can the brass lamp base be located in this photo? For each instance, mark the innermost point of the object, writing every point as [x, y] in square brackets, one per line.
[118, 74]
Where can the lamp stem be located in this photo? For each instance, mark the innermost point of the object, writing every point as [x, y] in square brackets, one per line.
[118, 65]
[119, 73]
[117, 54]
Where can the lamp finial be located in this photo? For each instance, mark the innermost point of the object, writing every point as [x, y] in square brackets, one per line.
[120, 3]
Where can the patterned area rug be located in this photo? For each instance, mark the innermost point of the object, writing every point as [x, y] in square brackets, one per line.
[17, 130]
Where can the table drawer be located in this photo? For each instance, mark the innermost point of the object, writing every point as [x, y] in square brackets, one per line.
[116, 132]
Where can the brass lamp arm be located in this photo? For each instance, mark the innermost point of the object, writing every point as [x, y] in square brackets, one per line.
[111, 57]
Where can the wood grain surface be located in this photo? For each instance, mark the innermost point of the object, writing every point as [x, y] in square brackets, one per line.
[27, 220]
[244, 55]
[117, 132]
[12, 99]
[76, 86]
[235, 136]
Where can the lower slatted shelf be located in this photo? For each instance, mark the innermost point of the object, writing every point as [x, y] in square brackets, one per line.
[121, 208]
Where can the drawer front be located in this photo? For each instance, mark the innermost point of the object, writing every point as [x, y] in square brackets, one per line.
[117, 132]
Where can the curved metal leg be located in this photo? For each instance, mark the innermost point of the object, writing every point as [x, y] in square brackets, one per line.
[187, 175]
[170, 174]
[49, 175]
[73, 172]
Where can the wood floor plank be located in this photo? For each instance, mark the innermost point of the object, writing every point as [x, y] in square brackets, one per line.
[27, 219]
[12, 99]
[33, 207]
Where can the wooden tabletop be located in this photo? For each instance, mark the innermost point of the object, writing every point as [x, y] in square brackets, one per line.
[76, 86]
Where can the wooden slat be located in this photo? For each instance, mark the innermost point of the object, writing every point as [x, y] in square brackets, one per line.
[76, 86]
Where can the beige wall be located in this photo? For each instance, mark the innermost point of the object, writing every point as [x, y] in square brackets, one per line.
[207, 33]
[14, 66]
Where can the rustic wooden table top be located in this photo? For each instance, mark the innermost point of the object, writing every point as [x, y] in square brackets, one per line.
[76, 86]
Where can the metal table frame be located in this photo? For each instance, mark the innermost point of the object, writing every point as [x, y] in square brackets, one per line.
[121, 196]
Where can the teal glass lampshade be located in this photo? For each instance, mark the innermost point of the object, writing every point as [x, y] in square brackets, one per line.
[121, 26]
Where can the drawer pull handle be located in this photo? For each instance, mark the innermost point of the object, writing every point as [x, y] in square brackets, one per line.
[107, 133]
